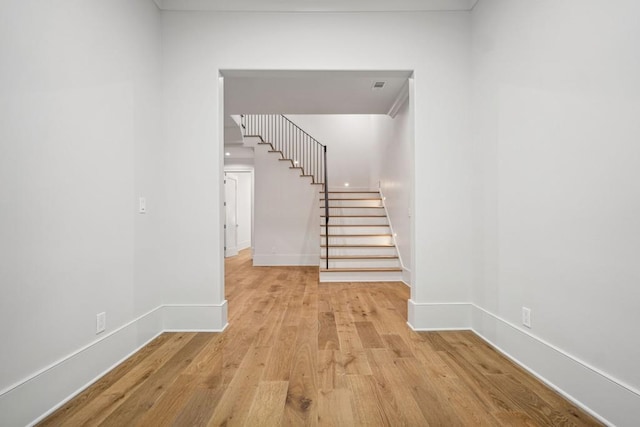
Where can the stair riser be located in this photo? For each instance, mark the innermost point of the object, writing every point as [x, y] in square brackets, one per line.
[360, 251]
[337, 231]
[327, 276]
[354, 221]
[359, 203]
[354, 211]
[350, 195]
[364, 240]
[361, 263]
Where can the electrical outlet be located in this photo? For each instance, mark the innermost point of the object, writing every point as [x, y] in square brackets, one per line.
[526, 317]
[101, 322]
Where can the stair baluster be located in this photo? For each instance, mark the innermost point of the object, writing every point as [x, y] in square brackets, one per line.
[294, 144]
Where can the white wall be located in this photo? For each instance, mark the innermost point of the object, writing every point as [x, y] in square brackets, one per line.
[351, 147]
[81, 141]
[79, 107]
[286, 213]
[556, 102]
[538, 204]
[239, 163]
[394, 137]
[435, 45]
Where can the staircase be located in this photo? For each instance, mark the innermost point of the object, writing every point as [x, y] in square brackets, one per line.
[360, 246]
[356, 241]
[290, 142]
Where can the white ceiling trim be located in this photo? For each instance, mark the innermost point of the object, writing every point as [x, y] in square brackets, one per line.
[316, 74]
[400, 100]
[317, 5]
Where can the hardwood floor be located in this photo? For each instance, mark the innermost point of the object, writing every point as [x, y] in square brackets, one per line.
[301, 353]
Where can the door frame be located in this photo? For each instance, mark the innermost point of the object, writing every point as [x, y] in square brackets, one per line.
[411, 274]
[249, 170]
[226, 224]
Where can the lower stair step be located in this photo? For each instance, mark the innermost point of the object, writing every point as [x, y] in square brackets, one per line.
[361, 275]
[357, 240]
[356, 230]
[356, 256]
[369, 269]
[358, 246]
[334, 251]
[365, 221]
[356, 263]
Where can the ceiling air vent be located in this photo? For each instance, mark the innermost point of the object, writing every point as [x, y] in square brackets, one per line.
[377, 85]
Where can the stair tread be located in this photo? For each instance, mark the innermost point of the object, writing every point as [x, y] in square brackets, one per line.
[356, 235]
[356, 269]
[359, 257]
[352, 199]
[355, 216]
[358, 246]
[356, 225]
[352, 191]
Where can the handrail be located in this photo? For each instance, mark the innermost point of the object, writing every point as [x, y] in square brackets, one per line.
[304, 151]
[298, 127]
[326, 207]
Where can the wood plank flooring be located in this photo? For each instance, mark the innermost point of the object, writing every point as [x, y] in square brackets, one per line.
[301, 353]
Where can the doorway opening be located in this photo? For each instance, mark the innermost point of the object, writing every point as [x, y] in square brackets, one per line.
[366, 120]
[238, 210]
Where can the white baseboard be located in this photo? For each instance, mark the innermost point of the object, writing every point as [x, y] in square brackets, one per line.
[406, 273]
[195, 317]
[606, 398]
[262, 260]
[406, 276]
[438, 316]
[35, 397]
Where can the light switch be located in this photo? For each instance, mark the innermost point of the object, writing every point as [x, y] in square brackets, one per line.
[142, 205]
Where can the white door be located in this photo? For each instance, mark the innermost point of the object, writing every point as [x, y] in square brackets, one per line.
[243, 205]
[231, 217]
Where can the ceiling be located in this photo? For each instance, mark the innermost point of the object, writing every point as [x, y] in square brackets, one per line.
[317, 5]
[313, 92]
